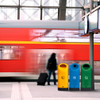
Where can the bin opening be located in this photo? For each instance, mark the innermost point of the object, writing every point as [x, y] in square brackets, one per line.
[75, 66]
[86, 66]
[63, 65]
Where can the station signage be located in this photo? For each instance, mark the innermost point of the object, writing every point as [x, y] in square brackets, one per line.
[91, 23]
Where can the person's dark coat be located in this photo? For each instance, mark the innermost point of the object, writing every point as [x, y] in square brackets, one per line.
[52, 63]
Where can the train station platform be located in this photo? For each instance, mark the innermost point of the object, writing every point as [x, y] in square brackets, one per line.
[31, 91]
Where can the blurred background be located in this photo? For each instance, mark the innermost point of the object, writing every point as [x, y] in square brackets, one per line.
[33, 58]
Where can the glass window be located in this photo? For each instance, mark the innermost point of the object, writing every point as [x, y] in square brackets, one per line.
[9, 2]
[30, 2]
[30, 14]
[38, 9]
[50, 14]
[73, 14]
[50, 2]
[8, 13]
[87, 2]
[10, 52]
[74, 3]
[54, 35]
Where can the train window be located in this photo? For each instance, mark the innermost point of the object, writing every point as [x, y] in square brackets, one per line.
[10, 52]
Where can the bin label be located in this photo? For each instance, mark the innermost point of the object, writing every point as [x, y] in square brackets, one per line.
[62, 77]
[86, 77]
[74, 77]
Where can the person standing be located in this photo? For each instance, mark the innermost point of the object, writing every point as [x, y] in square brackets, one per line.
[52, 67]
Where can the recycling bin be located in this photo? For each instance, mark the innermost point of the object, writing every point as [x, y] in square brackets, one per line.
[74, 71]
[86, 77]
[63, 77]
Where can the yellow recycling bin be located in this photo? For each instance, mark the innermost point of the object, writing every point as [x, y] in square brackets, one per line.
[63, 77]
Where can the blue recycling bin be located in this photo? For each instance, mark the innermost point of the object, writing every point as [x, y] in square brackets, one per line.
[74, 83]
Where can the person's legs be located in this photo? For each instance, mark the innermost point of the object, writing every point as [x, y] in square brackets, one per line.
[54, 77]
[49, 72]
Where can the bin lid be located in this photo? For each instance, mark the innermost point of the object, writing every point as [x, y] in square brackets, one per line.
[86, 66]
[63, 65]
[75, 66]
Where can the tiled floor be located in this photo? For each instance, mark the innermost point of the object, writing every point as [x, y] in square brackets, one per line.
[30, 91]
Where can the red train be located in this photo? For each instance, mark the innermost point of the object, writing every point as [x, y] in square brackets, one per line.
[20, 53]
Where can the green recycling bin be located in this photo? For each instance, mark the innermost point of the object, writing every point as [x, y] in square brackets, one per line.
[86, 77]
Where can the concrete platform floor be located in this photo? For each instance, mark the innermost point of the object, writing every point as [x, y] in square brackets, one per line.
[31, 91]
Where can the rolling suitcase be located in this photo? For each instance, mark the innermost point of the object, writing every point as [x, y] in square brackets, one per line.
[42, 79]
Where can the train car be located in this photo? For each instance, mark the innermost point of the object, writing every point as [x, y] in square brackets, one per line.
[22, 51]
